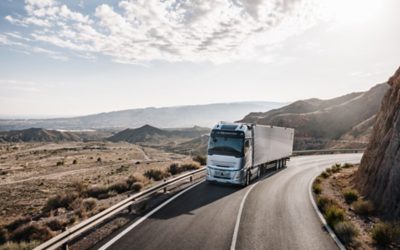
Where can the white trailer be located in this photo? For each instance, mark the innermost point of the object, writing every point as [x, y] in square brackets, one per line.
[239, 153]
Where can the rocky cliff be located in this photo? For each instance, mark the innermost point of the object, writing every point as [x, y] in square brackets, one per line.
[379, 174]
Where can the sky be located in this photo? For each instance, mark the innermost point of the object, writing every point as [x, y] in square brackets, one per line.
[66, 58]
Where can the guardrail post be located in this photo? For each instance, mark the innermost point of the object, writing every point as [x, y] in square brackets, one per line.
[165, 188]
[65, 245]
[191, 178]
[129, 207]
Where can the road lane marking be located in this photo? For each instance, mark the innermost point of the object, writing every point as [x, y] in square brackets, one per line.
[236, 230]
[120, 235]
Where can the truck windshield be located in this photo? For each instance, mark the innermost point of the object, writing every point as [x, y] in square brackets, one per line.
[230, 143]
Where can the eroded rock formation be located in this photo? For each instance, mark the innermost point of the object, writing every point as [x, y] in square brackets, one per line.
[379, 174]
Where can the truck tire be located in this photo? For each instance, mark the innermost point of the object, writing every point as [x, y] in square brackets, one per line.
[247, 178]
[258, 173]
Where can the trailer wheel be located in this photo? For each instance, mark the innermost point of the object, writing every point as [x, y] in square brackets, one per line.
[247, 178]
[258, 173]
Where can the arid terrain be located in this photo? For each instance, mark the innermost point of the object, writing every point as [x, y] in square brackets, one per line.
[32, 173]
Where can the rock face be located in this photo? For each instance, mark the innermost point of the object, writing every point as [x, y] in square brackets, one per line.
[379, 174]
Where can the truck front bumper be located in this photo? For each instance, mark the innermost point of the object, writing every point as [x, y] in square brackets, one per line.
[223, 175]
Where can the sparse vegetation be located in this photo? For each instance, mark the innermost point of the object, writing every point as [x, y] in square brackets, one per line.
[176, 168]
[60, 163]
[64, 200]
[119, 187]
[324, 202]
[19, 245]
[333, 215]
[350, 195]
[324, 174]
[363, 208]
[75, 161]
[3, 235]
[89, 203]
[99, 159]
[56, 224]
[385, 234]
[346, 231]
[97, 191]
[31, 232]
[155, 174]
[336, 168]
[202, 160]
[317, 189]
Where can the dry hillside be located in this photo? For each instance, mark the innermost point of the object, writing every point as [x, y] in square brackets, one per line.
[341, 122]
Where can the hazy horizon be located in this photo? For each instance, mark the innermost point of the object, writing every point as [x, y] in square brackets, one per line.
[63, 58]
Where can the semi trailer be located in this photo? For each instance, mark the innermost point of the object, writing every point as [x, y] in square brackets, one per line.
[239, 153]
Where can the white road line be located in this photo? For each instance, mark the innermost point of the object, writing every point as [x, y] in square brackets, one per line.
[236, 231]
[120, 235]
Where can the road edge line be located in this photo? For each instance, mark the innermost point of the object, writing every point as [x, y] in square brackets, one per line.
[136, 223]
[321, 217]
[239, 216]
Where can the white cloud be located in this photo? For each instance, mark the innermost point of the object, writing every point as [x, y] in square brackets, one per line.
[16, 85]
[139, 31]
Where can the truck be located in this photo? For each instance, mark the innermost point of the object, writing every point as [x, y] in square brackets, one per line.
[238, 153]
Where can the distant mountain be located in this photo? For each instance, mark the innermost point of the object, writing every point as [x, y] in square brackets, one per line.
[37, 135]
[345, 121]
[152, 136]
[167, 117]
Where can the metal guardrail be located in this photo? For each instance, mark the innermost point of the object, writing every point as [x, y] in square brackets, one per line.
[71, 233]
[327, 151]
[61, 240]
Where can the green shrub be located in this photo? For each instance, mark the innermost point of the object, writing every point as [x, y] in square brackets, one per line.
[318, 180]
[155, 174]
[202, 160]
[56, 224]
[173, 169]
[334, 215]
[347, 165]
[134, 178]
[137, 186]
[350, 195]
[89, 204]
[32, 231]
[20, 246]
[317, 189]
[346, 231]
[119, 187]
[363, 208]
[383, 234]
[189, 166]
[324, 202]
[336, 168]
[324, 174]
[61, 201]
[97, 191]
[18, 222]
[3, 235]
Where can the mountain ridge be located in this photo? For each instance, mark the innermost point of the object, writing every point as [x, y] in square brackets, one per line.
[165, 117]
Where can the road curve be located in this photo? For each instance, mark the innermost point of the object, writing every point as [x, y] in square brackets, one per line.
[276, 214]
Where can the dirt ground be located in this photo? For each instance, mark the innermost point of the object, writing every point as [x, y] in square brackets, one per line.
[30, 173]
[333, 187]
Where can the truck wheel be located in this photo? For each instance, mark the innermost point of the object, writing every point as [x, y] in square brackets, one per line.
[247, 178]
[258, 173]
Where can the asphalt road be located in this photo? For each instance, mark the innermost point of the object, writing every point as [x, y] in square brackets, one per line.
[276, 214]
